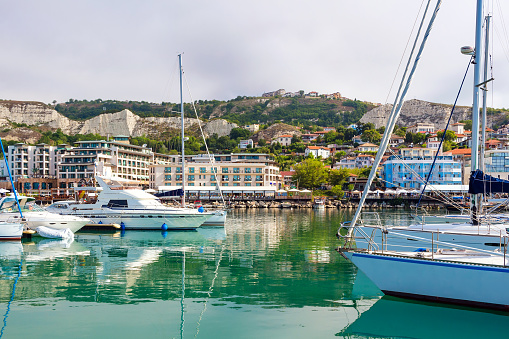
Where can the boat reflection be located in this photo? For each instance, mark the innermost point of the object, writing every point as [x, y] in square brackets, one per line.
[392, 317]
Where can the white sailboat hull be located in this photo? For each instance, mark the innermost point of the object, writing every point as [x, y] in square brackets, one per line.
[461, 234]
[443, 281]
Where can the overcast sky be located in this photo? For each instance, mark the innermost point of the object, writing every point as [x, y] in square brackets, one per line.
[127, 50]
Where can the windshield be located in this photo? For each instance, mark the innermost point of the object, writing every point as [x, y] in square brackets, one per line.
[10, 206]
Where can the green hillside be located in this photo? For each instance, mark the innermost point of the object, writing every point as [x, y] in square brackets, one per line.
[241, 110]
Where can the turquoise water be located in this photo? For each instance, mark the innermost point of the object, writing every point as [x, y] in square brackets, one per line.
[268, 273]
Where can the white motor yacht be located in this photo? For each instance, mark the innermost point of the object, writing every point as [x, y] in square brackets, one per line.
[134, 209]
[34, 216]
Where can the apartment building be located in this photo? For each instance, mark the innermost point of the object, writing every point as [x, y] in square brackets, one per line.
[27, 161]
[235, 169]
[411, 172]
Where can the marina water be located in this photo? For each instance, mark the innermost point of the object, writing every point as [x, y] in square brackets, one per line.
[269, 273]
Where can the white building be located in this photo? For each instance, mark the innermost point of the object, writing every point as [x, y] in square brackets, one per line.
[458, 128]
[246, 143]
[422, 127]
[252, 128]
[235, 169]
[396, 140]
[368, 147]
[284, 140]
[26, 161]
[317, 151]
[361, 161]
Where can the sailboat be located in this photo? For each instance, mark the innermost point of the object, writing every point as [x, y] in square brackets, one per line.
[218, 217]
[445, 272]
[477, 230]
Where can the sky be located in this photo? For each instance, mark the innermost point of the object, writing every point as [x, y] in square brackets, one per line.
[127, 49]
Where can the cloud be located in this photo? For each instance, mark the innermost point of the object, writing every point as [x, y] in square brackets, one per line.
[128, 49]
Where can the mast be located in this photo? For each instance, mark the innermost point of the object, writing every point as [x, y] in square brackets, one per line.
[183, 140]
[396, 109]
[475, 204]
[484, 96]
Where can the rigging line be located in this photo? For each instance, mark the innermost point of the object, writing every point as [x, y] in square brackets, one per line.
[396, 110]
[12, 298]
[504, 47]
[504, 27]
[216, 271]
[183, 294]
[211, 159]
[446, 127]
[441, 196]
[168, 88]
[404, 51]
[421, 179]
[418, 176]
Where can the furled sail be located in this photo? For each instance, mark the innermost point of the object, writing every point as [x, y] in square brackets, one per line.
[483, 183]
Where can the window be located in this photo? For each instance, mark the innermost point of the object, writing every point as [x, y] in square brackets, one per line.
[167, 170]
[224, 178]
[236, 184]
[236, 170]
[259, 178]
[212, 178]
[247, 178]
[224, 170]
[247, 184]
[236, 178]
[117, 203]
[178, 177]
[191, 169]
[167, 177]
[247, 170]
[190, 177]
[258, 170]
[203, 170]
[179, 170]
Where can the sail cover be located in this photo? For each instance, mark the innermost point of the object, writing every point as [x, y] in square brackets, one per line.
[483, 183]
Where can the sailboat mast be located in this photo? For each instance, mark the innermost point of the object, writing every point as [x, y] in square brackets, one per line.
[182, 132]
[475, 105]
[484, 95]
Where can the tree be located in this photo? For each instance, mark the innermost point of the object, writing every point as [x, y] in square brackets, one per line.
[338, 176]
[371, 135]
[468, 124]
[296, 139]
[449, 135]
[239, 133]
[310, 173]
[339, 155]
[262, 142]
[338, 191]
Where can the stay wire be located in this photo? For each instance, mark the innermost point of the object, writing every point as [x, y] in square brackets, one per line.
[445, 130]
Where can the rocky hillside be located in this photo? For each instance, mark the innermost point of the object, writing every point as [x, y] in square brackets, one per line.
[120, 123]
[275, 131]
[414, 111]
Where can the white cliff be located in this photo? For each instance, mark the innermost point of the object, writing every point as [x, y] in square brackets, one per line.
[120, 123]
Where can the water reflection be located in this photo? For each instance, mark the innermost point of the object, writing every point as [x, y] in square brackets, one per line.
[392, 317]
[267, 273]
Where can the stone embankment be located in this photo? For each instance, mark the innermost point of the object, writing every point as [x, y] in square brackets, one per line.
[338, 204]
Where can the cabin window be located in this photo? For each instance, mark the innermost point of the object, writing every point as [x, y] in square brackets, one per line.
[117, 203]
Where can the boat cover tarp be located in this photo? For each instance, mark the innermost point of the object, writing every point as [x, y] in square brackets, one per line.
[173, 193]
[483, 183]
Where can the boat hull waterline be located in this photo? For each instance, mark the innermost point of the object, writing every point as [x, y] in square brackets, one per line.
[11, 231]
[436, 280]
